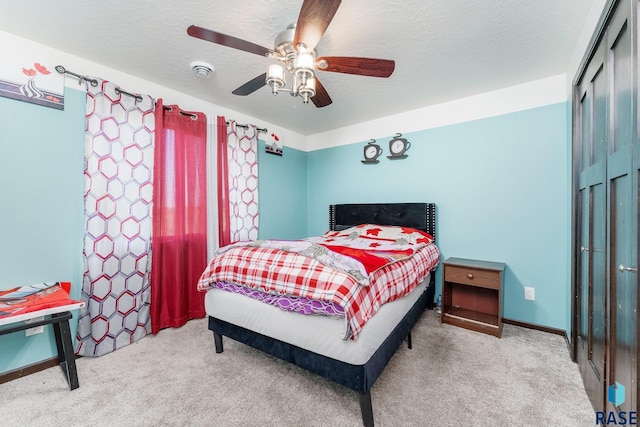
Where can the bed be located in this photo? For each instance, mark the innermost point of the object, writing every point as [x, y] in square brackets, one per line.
[312, 342]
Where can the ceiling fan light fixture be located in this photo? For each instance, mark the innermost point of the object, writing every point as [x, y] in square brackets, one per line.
[303, 64]
[302, 68]
[202, 69]
[275, 78]
[308, 90]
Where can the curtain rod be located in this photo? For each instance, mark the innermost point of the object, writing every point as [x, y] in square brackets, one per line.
[133, 95]
[247, 127]
[60, 69]
[194, 116]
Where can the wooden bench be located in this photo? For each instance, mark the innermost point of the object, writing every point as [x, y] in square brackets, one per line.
[59, 318]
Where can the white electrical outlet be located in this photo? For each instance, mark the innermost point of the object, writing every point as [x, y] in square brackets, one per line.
[34, 330]
[529, 294]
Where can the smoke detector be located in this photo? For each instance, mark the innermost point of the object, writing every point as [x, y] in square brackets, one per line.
[202, 69]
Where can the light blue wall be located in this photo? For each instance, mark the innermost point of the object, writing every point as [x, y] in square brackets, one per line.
[502, 194]
[282, 191]
[41, 210]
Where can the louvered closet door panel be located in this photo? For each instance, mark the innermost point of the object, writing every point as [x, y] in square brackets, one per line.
[622, 235]
[582, 227]
[598, 284]
[591, 287]
[583, 274]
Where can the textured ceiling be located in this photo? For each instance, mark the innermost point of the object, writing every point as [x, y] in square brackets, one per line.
[444, 49]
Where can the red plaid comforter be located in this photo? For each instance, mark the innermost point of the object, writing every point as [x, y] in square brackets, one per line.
[282, 272]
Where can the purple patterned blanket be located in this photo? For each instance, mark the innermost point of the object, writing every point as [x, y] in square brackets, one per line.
[286, 302]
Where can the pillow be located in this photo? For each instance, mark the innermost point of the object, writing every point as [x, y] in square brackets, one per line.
[401, 235]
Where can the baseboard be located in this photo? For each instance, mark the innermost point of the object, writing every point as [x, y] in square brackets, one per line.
[28, 370]
[534, 326]
[547, 329]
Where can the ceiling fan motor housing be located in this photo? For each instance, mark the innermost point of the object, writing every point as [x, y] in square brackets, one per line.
[283, 44]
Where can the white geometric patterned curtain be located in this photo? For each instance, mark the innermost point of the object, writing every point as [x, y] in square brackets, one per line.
[242, 153]
[118, 196]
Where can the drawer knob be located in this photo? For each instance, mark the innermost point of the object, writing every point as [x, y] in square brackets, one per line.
[470, 276]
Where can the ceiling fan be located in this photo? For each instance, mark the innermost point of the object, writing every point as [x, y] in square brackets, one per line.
[294, 48]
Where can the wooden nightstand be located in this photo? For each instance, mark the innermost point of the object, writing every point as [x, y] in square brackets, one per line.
[472, 294]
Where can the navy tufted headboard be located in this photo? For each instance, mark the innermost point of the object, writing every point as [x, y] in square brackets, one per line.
[421, 216]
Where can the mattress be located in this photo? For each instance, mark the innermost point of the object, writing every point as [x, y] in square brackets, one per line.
[315, 333]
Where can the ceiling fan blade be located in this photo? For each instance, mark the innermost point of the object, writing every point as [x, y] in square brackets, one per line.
[251, 86]
[225, 40]
[371, 67]
[315, 16]
[321, 98]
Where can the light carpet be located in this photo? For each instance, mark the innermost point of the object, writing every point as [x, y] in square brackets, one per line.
[451, 377]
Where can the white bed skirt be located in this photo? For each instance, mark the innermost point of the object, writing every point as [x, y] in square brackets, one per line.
[316, 333]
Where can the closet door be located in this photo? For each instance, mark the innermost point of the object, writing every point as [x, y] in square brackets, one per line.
[590, 173]
[606, 197]
[622, 210]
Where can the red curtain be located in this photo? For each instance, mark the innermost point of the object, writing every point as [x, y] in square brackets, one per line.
[224, 227]
[179, 235]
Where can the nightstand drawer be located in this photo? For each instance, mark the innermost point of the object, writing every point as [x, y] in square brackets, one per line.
[473, 276]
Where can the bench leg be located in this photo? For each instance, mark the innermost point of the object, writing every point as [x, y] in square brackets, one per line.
[66, 356]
